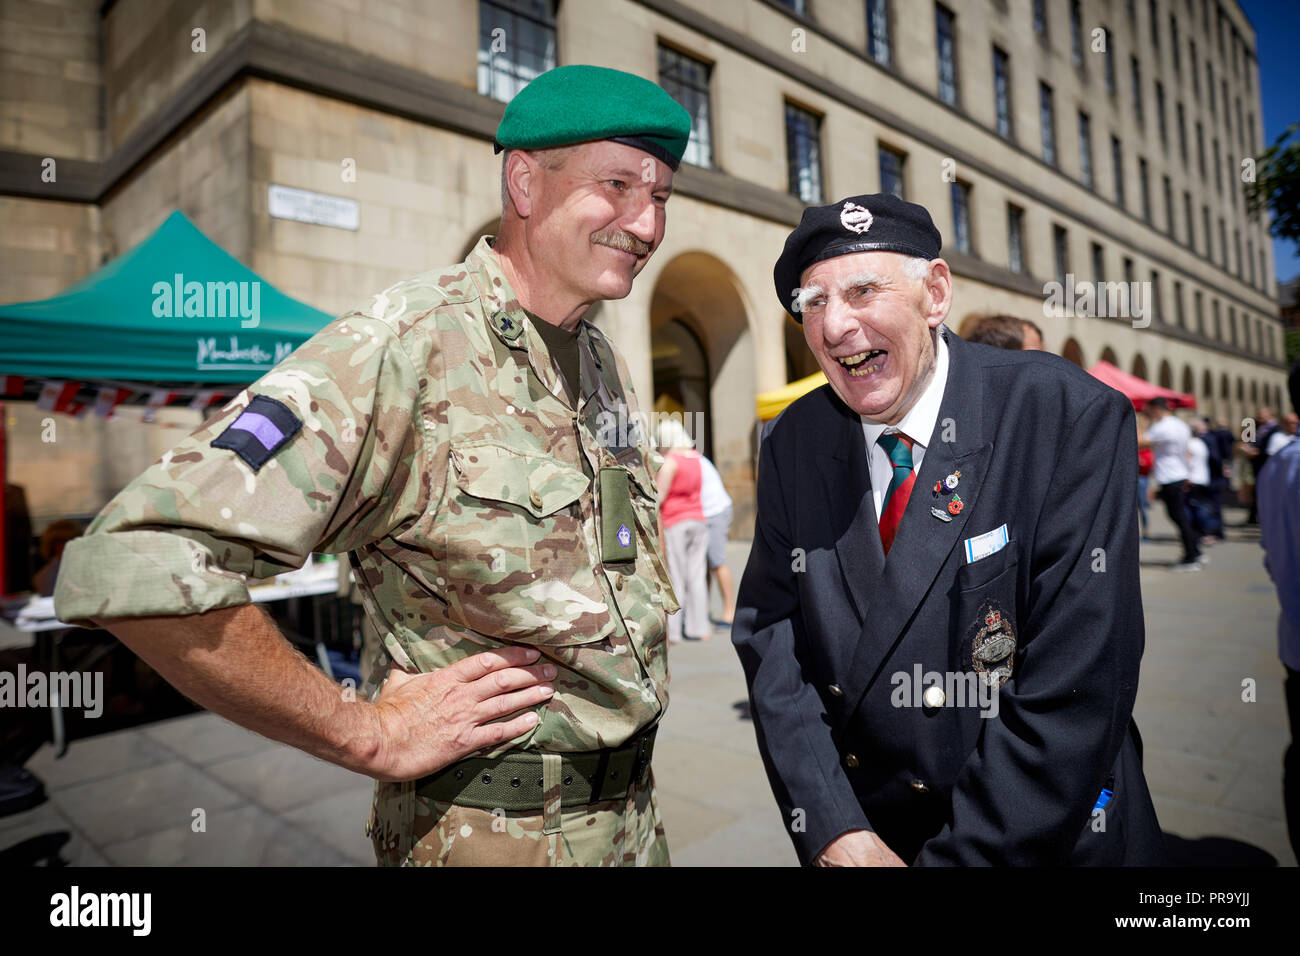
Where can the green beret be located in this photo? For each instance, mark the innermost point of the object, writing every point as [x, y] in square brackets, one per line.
[578, 104]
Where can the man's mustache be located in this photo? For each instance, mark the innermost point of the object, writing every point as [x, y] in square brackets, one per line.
[618, 239]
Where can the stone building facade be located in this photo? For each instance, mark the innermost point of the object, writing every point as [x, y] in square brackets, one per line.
[1027, 127]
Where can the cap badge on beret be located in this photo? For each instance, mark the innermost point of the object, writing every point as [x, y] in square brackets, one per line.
[855, 218]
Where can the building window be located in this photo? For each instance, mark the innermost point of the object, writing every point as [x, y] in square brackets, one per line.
[1223, 244]
[1040, 18]
[1187, 214]
[1117, 167]
[1016, 238]
[1002, 92]
[1085, 149]
[1227, 110]
[1250, 259]
[1182, 132]
[891, 172]
[946, 40]
[1173, 44]
[1135, 69]
[1169, 204]
[1196, 76]
[1218, 320]
[1154, 12]
[1060, 253]
[1198, 304]
[797, 6]
[1209, 83]
[803, 153]
[687, 81]
[1130, 276]
[1200, 147]
[1047, 119]
[1160, 114]
[1110, 62]
[878, 31]
[1156, 306]
[1098, 263]
[961, 227]
[1144, 187]
[529, 48]
[1076, 33]
[1179, 312]
[1236, 252]
[1209, 240]
[1218, 167]
[1232, 324]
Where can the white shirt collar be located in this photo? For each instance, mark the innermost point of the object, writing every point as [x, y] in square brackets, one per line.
[918, 423]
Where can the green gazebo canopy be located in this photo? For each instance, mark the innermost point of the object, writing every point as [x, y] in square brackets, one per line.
[176, 308]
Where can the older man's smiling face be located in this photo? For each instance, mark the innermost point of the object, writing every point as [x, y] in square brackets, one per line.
[870, 326]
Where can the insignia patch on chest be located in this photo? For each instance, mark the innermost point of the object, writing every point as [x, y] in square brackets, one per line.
[993, 648]
[262, 429]
[624, 536]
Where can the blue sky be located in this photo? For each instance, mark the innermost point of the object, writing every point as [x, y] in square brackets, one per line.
[1277, 39]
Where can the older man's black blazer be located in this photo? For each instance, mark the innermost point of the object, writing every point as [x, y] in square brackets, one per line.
[825, 624]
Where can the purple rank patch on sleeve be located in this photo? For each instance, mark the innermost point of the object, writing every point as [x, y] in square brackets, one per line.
[262, 429]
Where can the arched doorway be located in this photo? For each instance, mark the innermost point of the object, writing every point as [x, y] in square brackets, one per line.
[1108, 355]
[702, 361]
[1189, 380]
[1073, 351]
[1166, 374]
[681, 376]
[1140, 367]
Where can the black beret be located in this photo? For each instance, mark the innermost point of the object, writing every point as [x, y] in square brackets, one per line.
[880, 222]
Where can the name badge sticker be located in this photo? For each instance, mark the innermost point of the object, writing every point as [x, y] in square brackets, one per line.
[982, 545]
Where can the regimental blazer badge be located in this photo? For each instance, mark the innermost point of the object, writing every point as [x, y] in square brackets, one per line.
[993, 650]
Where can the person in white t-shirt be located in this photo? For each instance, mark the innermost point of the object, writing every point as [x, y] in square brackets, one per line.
[716, 504]
[1168, 437]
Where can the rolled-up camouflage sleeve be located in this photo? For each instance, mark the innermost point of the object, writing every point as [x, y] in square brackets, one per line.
[332, 463]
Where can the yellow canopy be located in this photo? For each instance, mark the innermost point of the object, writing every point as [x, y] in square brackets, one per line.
[770, 404]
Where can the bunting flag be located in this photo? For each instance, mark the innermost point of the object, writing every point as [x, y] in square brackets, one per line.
[206, 399]
[12, 384]
[57, 396]
[158, 398]
[108, 399]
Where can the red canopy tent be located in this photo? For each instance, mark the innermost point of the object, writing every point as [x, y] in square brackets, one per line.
[1139, 391]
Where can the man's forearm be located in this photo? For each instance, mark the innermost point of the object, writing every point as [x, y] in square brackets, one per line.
[235, 662]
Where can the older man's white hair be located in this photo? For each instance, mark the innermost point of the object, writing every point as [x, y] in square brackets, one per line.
[914, 267]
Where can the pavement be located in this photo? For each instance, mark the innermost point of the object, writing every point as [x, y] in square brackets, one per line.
[198, 790]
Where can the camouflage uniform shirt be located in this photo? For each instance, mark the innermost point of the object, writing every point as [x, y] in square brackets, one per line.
[439, 447]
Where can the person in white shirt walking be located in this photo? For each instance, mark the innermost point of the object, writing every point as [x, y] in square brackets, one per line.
[1168, 437]
[716, 504]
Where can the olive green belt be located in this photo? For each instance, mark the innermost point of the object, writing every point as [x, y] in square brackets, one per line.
[514, 781]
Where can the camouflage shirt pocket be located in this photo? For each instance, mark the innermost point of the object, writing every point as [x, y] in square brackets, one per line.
[517, 563]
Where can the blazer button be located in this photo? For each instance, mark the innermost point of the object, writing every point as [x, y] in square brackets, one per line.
[835, 690]
[851, 760]
[920, 787]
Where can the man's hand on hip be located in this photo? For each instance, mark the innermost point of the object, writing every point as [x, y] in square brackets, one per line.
[857, 848]
[428, 721]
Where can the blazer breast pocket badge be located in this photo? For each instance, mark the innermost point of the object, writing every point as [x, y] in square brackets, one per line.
[993, 648]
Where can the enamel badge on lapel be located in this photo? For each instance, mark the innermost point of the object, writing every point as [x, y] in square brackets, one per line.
[948, 486]
[950, 483]
[993, 650]
[955, 505]
[940, 515]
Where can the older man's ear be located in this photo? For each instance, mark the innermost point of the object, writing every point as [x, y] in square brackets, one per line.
[938, 293]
